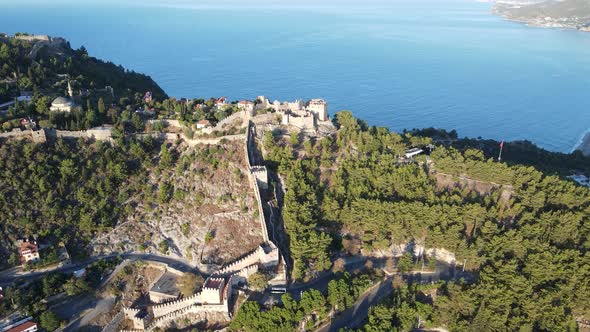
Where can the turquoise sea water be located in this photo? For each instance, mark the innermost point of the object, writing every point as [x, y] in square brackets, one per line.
[401, 64]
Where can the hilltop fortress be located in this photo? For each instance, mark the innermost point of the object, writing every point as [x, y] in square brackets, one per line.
[218, 297]
[308, 116]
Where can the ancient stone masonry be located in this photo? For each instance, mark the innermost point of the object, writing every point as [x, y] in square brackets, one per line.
[266, 254]
[99, 133]
[16, 133]
[164, 320]
[214, 300]
[139, 318]
[258, 176]
[166, 308]
[261, 175]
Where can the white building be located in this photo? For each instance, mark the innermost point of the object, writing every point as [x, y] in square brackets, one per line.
[63, 104]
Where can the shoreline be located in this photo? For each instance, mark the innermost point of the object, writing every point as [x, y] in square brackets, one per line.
[583, 144]
[540, 22]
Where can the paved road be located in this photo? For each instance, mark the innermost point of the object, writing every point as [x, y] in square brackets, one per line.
[321, 281]
[179, 264]
[353, 317]
[356, 315]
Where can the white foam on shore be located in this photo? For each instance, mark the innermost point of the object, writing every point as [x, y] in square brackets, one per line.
[580, 142]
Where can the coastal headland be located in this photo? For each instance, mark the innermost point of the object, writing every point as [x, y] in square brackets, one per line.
[584, 145]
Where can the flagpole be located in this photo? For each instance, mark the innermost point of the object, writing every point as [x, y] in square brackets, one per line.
[501, 148]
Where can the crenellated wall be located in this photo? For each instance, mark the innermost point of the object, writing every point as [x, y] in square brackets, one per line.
[166, 308]
[250, 259]
[165, 319]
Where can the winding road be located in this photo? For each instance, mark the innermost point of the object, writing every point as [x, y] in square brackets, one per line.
[9, 277]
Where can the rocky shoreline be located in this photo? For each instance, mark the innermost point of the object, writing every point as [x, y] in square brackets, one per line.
[584, 145]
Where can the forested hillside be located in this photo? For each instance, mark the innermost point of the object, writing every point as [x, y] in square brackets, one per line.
[66, 191]
[530, 252]
[45, 70]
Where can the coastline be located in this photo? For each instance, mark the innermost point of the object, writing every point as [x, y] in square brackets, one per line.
[584, 144]
[539, 22]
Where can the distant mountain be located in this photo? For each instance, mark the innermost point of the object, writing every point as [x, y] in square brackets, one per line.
[547, 13]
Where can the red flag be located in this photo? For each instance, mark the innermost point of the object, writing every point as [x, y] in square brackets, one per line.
[501, 144]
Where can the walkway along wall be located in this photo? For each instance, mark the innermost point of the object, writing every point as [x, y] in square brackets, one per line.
[257, 175]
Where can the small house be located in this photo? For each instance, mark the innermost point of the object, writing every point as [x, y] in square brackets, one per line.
[29, 251]
[203, 124]
[219, 103]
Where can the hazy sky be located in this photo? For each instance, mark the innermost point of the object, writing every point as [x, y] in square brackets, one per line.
[228, 3]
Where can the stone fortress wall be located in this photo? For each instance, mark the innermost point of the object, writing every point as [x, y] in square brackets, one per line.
[258, 175]
[135, 315]
[214, 297]
[32, 37]
[41, 136]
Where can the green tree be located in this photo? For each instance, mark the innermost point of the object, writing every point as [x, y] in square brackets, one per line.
[165, 192]
[163, 246]
[405, 263]
[165, 157]
[49, 320]
[257, 281]
[101, 107]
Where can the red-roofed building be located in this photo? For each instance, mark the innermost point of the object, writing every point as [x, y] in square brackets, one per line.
[203, 124]
[29, 251]
[24, 327]
[246, 105]
[219, 103]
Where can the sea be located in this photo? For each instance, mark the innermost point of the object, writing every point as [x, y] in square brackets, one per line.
[402, 64]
